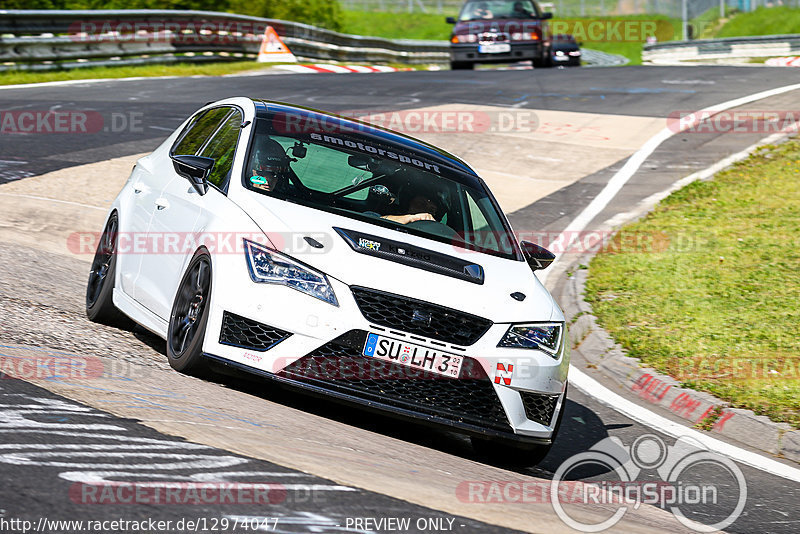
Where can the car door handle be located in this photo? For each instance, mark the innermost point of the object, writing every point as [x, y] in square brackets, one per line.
[162, 204]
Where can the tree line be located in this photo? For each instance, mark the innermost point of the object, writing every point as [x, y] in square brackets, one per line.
[324, 13]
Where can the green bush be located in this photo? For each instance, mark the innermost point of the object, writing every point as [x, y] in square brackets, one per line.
[324, 13]
[201, 5]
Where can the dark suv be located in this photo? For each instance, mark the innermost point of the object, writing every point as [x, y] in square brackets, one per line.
[500, 31]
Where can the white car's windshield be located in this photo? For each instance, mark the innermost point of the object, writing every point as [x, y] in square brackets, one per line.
[498, 9]
[366, 179]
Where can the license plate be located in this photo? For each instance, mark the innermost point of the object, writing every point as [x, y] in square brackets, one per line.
[494, 48]
[415, 356]
[561, 58]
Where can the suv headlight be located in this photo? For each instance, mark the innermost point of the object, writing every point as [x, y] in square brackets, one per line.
[268, 266]
[539, 336]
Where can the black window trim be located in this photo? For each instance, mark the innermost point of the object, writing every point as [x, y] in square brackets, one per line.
[232, 109]
[188, 128]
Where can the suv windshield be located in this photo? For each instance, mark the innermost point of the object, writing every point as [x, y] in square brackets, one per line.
[498, 9]
[364, 178]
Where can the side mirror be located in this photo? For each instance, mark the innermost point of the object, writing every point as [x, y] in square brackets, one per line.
[537, 256]
[450, 20]
[195, 169]
[546, 15]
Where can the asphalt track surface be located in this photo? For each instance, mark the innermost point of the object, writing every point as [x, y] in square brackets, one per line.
[33, 491]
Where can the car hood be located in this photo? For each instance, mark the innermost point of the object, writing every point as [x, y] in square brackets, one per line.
[287, 225]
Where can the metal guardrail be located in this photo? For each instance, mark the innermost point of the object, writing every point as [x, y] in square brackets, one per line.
[54, 39]
[60, 39]
[718, 50]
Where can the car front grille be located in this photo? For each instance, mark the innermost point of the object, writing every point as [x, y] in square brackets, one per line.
[339, 366]
[419, 317]
[539, 407]
[248, 334]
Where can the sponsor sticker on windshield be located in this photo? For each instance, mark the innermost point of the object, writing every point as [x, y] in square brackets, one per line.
[369, 149]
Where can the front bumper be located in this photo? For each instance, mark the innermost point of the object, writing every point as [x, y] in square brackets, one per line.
[308, 344]
[468, 53]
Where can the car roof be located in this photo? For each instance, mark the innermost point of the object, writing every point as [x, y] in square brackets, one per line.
[344, 124]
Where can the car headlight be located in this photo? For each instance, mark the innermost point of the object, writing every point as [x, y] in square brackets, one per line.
[268, 266]
[540, 336]
[464, 38]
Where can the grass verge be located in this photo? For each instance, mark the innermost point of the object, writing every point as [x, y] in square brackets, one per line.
[396, 25]
[763, 21]
[706, 288]
[177, 69]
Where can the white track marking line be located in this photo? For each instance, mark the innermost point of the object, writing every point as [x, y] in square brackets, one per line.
[88, 80]
[34, 197]
[627, 171]
[648, 203]
[644, 416]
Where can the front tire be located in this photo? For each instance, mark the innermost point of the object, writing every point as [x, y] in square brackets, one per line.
[189, 317]
[544, 62]
[461, 65]
[100, 287]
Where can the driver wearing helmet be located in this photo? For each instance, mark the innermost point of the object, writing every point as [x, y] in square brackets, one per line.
[482, 11]
[269, 164]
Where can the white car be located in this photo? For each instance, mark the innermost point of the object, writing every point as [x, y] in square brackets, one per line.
[341, 258]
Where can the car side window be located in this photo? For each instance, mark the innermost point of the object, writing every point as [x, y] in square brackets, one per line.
[222, 149]
[199, 131]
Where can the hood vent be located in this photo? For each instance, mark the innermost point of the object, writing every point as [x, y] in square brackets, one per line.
[413, 256]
